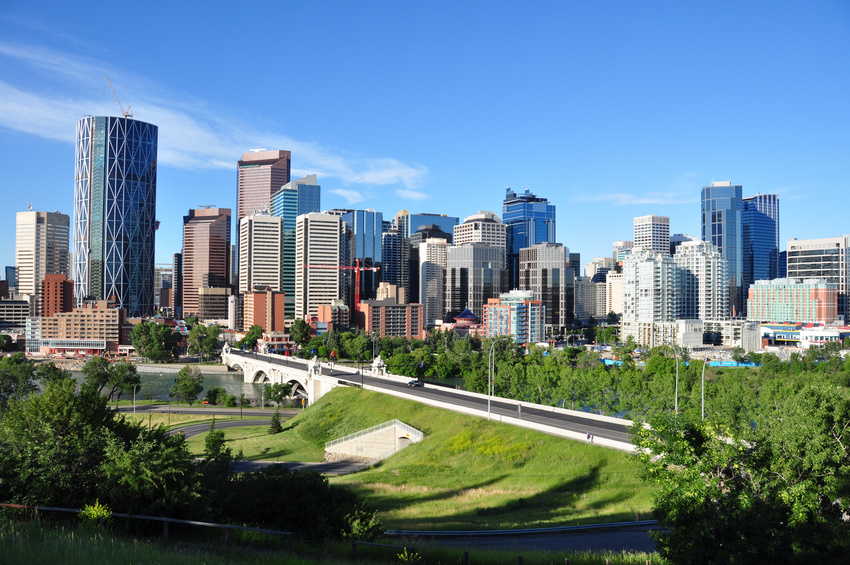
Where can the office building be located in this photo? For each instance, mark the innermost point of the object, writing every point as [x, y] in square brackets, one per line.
[162, 279]
[598, 268]
[827, 258]
[529, 220]
[57, 294]
[614, 293]
[652, 232]
[94, 329]
[386, 317]
[264, 307]
[301, 196]
[206, 255]
[407, 225]
[177, 285]
[411, 251]
[115, 212]
[722, 209]
[701, 289]
[793, 300]
[591, 300]
[213, 303]
[317, 252]
[621, 249]
[41, 248]
[391, 249]
[473, 274]
[260, 252]
[364, 243]
[11, 277]
[335, 316]
[260, 173]
[433, 254]
[516, 314]
[760, 239]
[483, 227]
[678, 239]
[546, 271]
[14, 315]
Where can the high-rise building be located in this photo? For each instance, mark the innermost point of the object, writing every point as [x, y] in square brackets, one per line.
[760, 240]
[407, 225]
[793, 300]
[301, 196]
[621, 249]
[701, 289]
[364, 243]
[177, 285]
[259, 174]
[722, 208]
[11, 277]
[598, 268]
[115, 212]
[423, 233]
[206, 254]
[648, 296]
[652, 232]
[678, 239]
[473, 274]
[516, 314]
[41, 248]
[545, 270]
[529, 220]
[260, 253]
[57, 294]
[828, 259]
[391, 248]
[162, 279]
[432, 278]
[317, 252]
[483, 227]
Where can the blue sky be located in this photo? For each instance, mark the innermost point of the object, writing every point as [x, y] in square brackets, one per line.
[610, 110]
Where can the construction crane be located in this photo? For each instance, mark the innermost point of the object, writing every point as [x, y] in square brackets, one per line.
[357, 268]
[124, 113]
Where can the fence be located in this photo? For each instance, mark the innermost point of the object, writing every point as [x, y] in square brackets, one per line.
[415, 435]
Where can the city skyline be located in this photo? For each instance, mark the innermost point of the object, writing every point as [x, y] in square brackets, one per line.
[605, 119]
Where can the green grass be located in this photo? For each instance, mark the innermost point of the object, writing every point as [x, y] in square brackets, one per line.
[171, 421]
[467, 473]
[28, 543]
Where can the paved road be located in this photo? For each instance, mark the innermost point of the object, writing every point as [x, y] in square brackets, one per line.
[207, 410]
[574, 423]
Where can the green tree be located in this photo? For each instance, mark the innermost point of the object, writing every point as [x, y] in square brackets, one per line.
[203, 341]
[191, 321]
[251, 338]
[96, 371]
[279, 392]
[123, 378]
[274, 426]
[300, 332]
[17, 377]
[738, 354]
[158, 342]
[188, 384]
[48, 372]
[5, 342]
[216, 395]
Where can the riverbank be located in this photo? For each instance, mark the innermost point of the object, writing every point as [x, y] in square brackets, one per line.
[77, 365]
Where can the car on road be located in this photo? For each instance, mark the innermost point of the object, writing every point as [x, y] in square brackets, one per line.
[415, 382]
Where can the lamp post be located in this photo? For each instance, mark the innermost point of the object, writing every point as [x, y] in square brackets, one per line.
[704, 363]
[491, 384]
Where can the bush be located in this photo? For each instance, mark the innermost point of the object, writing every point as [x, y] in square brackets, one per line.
[95, 516]
[274, 426]
[230, 401]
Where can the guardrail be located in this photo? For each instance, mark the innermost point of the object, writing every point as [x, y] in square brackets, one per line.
[415, 435]
[165, 521]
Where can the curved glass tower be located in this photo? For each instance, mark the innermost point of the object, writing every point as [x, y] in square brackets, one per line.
[115, 212]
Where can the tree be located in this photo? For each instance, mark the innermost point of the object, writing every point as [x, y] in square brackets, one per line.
[738, 354]
[300, 332]
[251, 338]
[611, 318]
[274, 425]
[17, 378]
[157, 342]
[216, 395]
[48, 372]
[191, 322]
[96, 370]
[5, 342]
[123, 378]
[279, 392]
[188, 384]
[775, 492]
[203, 340]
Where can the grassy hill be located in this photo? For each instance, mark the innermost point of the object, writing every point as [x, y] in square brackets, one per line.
[467, 473]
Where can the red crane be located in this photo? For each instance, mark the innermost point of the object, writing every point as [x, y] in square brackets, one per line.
[357, 268]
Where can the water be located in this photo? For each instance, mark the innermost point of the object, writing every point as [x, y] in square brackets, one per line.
[158, 385]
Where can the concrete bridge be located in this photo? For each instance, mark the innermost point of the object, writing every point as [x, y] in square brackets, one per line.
[312, 380]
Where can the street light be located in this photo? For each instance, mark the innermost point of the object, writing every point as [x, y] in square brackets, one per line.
[491, 384]
[704, 363]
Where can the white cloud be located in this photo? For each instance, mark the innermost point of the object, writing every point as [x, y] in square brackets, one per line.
[53, 90]
[352, 196]
[411, 194]
[626, 199]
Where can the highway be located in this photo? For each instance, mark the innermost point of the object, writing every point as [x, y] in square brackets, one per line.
[574, 423]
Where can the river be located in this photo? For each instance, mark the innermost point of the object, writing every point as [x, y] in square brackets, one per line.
[158, 385]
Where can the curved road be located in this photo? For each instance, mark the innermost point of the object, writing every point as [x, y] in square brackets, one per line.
[568, 422]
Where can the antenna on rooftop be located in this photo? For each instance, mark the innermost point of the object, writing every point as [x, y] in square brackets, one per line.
[124, 113]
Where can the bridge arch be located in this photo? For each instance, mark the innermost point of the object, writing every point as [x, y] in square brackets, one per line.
[260, 376]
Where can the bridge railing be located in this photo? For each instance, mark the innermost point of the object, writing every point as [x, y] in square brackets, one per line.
[413, 433]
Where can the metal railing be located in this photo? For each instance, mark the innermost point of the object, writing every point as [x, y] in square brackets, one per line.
[413, 433]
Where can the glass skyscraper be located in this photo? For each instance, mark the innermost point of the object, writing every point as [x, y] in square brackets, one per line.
[408, 224]
[115, 212]
[365, 242]
[760, 240]
[530, 220]
[722, 225]
[301, 196]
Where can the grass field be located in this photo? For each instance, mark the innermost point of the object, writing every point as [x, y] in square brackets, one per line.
[172, 421]
[467, 473]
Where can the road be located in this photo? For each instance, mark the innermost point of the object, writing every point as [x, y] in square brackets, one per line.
[575, 423]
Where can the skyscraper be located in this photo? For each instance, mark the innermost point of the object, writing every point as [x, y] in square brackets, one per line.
[41, 248]
[317, 252]
[260, 173]
[473, 274]
[827, 258]
[301, 196]
[206, 253]
[652, 232]
[177, 285]
[722, 225]
[115, 212]
[760, 240]
[649, 299]
[432, 278]
[407, 225]
[365, 242]
[530, 220]
[260, 252]
[701, 289]
[545, 270]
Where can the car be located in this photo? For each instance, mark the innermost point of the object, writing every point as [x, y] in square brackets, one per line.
[414, 382]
